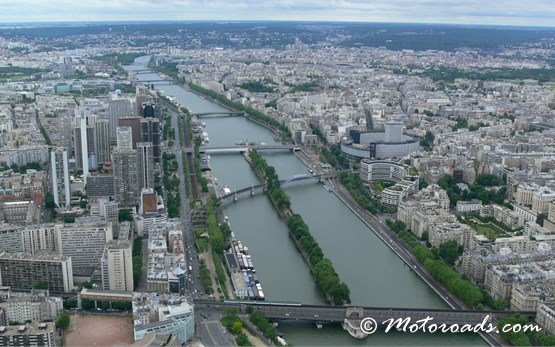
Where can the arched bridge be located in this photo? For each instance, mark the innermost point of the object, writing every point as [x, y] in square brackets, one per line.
[220, 114]
[350, 316]
[243, 149]
[261, 188]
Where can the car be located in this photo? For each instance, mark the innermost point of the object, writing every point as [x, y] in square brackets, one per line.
[316, 316]
[414, 266]
[287, 315]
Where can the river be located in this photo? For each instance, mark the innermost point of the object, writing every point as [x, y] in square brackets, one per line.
[375, 275]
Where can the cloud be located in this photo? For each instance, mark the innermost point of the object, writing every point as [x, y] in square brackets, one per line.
[510, 12]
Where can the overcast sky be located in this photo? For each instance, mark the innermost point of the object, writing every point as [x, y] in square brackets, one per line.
[510, 12]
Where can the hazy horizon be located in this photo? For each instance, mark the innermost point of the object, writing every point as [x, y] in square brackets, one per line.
[472, 12]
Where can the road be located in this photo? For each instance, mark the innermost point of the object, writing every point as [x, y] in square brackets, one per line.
[402, 250]
[194, 285]
[210, 330]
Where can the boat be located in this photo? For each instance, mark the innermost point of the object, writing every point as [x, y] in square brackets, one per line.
[326, 187]
[215, 181]
[226, 190]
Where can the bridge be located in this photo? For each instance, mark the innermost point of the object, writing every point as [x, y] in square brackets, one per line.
[350, 316]
[218, 114]
[103, 295]
[159, 80]
[299, 179]
[245, 148]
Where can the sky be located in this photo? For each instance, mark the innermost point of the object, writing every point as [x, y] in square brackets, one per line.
[494, 12]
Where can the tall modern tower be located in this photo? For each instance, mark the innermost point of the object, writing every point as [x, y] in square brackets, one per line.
[60, 177]
[102, 133]
[141, 93]
[146, 165]
[151, 132]
[125, 164]
[117, 108]
[81, 144]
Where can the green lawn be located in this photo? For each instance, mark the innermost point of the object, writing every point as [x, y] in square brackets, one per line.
[488, 230]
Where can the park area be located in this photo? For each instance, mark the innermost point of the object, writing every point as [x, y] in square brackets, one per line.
[97, 330]
[489, 230]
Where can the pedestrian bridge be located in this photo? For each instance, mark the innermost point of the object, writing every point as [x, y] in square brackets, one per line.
[243, 149]
[295, 180]
[218, 114]
[351, 316]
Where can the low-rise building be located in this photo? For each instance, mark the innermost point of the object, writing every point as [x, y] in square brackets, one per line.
[155, 313]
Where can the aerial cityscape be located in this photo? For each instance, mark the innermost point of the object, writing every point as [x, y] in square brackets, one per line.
[218, 173]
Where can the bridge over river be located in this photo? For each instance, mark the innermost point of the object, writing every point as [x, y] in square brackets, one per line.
[247, 148]
[350, 316]
[299, 179]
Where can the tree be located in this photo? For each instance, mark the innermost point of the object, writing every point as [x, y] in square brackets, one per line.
[63, 320]
[450, 251]
[540, 218]
[41, 285]
[69, 218]
[49, 200]
[124, 215]
[236, 328]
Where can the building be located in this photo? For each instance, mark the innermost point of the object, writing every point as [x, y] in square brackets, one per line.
[152, 132]
[117, 108]
[126, 176]
[23, 212]
[405, 183]
[84, 242]
[546, 316]
[12, 238]
[473, 205]
[124, 137]
[100, 185]
[135, 124]
[39, 238]
[102, 133]
[392, 143]
[36, 306]
[61, 185]
[41, 334]
[442, 232]
[162, 314]
[117, 266]
[84, 143]
[109, 210]
[146, 165]
[23, 271]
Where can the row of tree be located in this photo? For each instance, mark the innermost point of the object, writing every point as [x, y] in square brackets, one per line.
[436, 261]
[171, 183]
[325, 275]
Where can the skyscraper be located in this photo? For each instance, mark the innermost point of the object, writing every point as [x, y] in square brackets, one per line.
[84, 143]
[124, 138]
[141, 93]
[125, 165]
[102, 133]
[151, 132]
[135, 124]
[146, 165]
[117, 266]
[117, 108]
[60, 177]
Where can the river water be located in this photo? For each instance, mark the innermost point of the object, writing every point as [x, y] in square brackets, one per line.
[375, 275]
